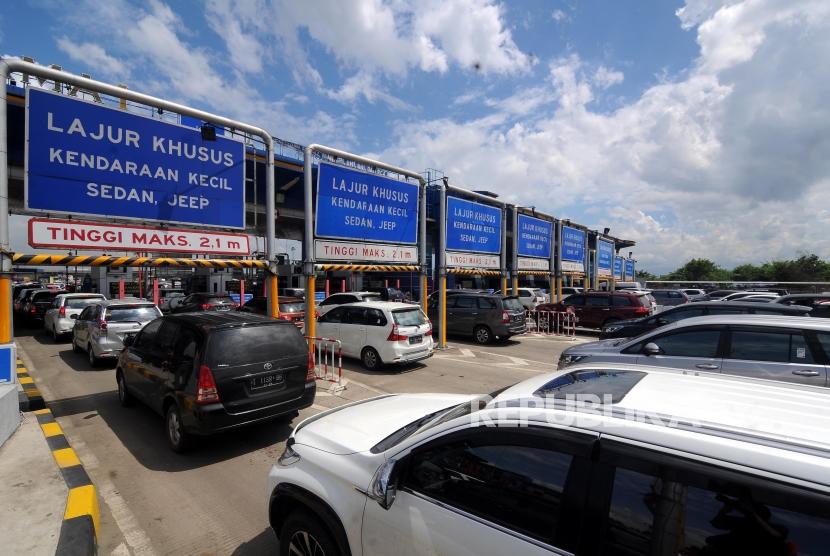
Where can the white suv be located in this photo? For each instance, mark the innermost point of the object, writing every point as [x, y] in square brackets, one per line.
[379, 332]
[595, 460]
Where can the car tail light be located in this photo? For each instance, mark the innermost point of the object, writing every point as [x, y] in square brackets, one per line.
[310, 375]
[33, 310]
[206, 391]
[428, 331]
[395, 336]
[207, 306]
[62, 312]
[505, 317]
[102, 324]
[641, 310]
[286, 316]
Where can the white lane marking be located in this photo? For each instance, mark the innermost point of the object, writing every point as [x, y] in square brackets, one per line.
[514, 359]
[120, 550]
[466, 352]
[511, 366]
[366, 386]
[319, 407]
[134, 535]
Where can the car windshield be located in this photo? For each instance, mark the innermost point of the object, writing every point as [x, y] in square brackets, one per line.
[409, 317]
[512, 304]
[81, 302]
[292, 307]
[124, 313]
[433, 419]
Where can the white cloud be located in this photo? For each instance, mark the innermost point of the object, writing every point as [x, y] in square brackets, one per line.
[728, 160]
[365, 85]
[93, 56]
[559, 16]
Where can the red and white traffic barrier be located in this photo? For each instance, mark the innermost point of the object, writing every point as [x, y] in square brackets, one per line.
[553, 323]
[328, 361]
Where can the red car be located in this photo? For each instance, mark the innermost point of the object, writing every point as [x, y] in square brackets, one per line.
[291, 309]
[597, 309]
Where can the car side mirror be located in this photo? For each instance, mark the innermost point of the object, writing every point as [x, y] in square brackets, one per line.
[383, 489]
[73, 317]
[652, 349]
[128, 341]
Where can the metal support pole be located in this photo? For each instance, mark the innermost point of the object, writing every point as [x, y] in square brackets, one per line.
[505, 274]
[442, 266]
[242, 292]
[308, 247]
[422, 255]
[556, 264]
[155, 291]
[514, 260]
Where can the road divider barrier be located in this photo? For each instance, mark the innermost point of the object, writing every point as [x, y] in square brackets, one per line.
[553, 323]
[328, 361]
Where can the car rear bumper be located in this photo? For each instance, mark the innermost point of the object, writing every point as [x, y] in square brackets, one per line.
[214, 418]
[511, 329]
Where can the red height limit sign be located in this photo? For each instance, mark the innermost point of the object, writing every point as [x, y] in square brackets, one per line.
[74, 234]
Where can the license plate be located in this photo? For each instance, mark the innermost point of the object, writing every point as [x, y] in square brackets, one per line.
[266, 381]
[416, 339]
[223, 308]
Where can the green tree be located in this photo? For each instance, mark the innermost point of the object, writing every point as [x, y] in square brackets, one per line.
[699, 270]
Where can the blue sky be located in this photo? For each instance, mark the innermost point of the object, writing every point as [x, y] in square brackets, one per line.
[690, 126]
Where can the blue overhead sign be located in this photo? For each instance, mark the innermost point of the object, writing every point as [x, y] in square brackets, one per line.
[573, 249]
[354, 205]
[86, 158]
[618, 268]
[605, 257]
[473, 227]
[534, 237]
[629, 269]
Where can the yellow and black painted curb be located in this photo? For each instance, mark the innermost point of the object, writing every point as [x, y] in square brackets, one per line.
[82, 516]
[31, 398]
[23, 259]
[369, 267]
[534, 273]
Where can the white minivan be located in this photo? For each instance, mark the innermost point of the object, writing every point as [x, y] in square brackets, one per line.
[380, 332]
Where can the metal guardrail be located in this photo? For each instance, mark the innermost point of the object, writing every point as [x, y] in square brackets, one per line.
[554, 323]
[328, 361]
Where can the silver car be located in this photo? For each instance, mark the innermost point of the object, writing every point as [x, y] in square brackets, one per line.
[789, 349]
[60, 318]
[100, 329]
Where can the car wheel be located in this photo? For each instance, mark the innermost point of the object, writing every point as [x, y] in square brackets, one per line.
[177, 437]
[93, 361]
[302, 535]
[482, 335]
[370, 359]
[75, 348]
[124, 396]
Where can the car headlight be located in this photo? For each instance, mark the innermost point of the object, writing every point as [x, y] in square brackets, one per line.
[565, 359]
[289, 456]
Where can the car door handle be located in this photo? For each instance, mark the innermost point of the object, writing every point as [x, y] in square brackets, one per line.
[806, 372]
[708, 366]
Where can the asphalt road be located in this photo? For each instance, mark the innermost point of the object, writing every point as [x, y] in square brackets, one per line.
[213, 500]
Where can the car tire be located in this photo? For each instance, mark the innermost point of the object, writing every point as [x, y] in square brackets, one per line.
[301, 534]
[482, 335]
[371, 359]
[93, 361]
[124, 396]
[179, 440]
[75, 348]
